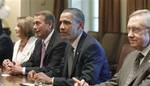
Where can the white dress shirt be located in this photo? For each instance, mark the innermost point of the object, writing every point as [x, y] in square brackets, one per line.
[22, 56]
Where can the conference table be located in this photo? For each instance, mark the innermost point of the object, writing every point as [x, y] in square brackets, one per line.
[16, 80]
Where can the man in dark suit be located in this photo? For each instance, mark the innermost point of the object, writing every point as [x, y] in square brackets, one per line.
[84, 57]
[49, 48]
[136, 67]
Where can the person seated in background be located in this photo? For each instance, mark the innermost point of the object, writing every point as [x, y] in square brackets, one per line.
[24, 47]
[84, 56]
[7, 31]
[136, 67]
[6, 45]
[49, 48]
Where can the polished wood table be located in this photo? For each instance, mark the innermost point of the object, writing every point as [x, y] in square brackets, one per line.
[10, 80]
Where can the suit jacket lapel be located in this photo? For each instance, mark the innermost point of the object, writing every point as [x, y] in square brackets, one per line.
[38, 48]
[129, 69]
[79, 50]
[49, 47]
[50, 44]
[143, 67]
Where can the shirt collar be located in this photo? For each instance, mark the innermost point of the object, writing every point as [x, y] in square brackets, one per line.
[46, 41]
[146, 50]
[75, 43]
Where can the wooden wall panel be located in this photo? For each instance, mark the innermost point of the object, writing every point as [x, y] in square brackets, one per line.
[133, 5]
[130, 7]
[148, 4]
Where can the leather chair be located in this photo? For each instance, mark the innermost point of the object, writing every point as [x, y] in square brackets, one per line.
[94, 34]
[110, 44]
[126, 49]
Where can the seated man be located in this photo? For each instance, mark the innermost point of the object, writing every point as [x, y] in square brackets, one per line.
[49, 48]
[136, 67]
[84, 57]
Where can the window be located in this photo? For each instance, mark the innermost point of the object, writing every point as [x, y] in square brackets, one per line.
[90, 9]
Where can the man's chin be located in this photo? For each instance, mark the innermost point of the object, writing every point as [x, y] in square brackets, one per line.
[38, 35]
[64, 38]
[135, 46]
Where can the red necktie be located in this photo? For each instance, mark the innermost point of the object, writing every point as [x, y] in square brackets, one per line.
[42, 54]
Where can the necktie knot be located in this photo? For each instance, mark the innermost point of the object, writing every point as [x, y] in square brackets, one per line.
[72, 49]
[43, 44]
[138, 59]
[140, 56]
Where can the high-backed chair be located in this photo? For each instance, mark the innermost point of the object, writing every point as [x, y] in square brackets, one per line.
[123, 40]
[94, 34]
[126, 49]
[110, 43]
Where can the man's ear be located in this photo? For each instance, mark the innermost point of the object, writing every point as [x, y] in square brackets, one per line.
[50, 25]
[81, 24]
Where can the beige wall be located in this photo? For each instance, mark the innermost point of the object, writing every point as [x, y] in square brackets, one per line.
[29, 7]
[14, 13]
[20, 8]
[33, 6]
[123, 15]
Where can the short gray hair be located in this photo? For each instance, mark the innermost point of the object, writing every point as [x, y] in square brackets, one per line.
[143, 13]
[49, 17]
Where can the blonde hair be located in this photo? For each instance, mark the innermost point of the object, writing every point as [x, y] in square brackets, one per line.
[26, 25]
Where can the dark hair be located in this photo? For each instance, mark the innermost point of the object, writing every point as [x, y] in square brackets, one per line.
[77, 13]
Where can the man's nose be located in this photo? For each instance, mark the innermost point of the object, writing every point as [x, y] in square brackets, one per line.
[130, 33]
[34, 27]
[61, 27]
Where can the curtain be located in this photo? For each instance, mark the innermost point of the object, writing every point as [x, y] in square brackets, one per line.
[109, 17]
[59, 6]
[133, 5]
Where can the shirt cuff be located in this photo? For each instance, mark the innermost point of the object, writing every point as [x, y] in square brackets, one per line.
[52, 81]
[23, 70]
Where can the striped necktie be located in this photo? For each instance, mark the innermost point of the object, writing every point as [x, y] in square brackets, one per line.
[70, 61]
[138, 60]
[42, 54]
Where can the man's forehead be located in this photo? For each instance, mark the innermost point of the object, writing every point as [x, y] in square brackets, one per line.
[66, 15]
[39, 17]
[136, 21]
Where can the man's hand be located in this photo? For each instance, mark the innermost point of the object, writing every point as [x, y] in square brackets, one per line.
[80, 83]
[16, 69]
[43, 78]
[7, 64]
[31, 75]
